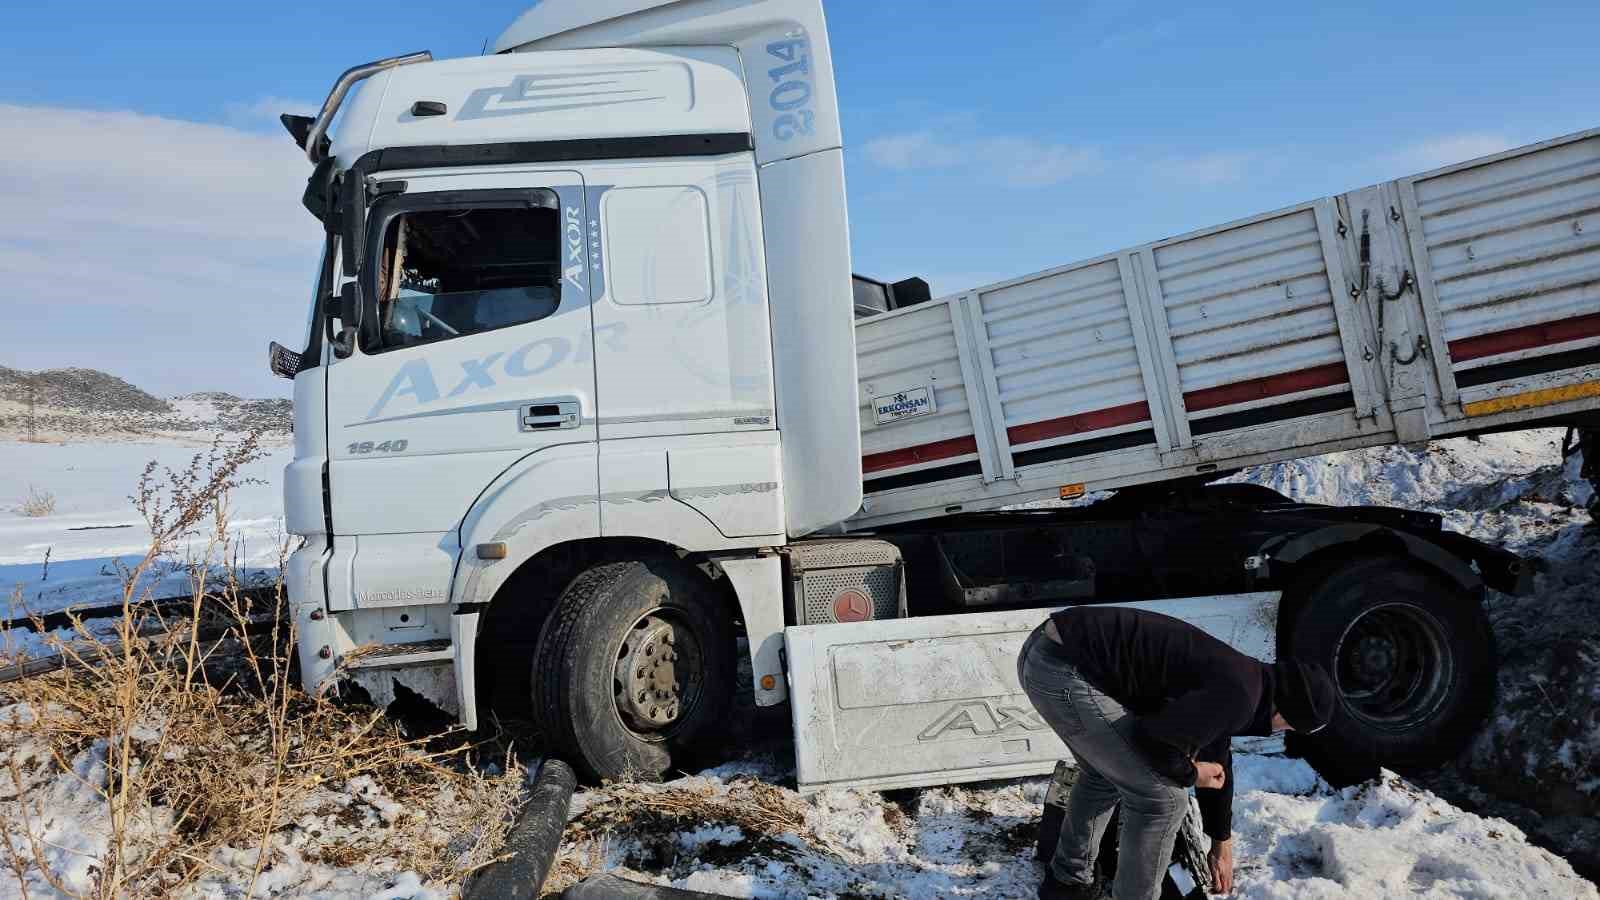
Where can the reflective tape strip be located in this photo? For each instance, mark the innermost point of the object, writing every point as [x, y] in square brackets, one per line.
[1545, 397]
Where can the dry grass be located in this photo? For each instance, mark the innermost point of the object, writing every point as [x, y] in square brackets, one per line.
[652, 814]
[37, 504]
[202, 760]
[755, 806]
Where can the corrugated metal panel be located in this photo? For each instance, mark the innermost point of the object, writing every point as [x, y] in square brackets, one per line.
[1244, 344]
[1249, 302]
[905, 351]
[1063, 346]
[1514, 244]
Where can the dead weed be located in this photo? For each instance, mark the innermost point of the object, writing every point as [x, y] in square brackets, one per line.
[189, 740]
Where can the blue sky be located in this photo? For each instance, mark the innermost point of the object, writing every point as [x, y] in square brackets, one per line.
[149, 222]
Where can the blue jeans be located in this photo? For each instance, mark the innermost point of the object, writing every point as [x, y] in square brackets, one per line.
[1111, 770]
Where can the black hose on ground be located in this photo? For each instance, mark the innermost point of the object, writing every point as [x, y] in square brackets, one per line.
[610, 887]
[533, 840]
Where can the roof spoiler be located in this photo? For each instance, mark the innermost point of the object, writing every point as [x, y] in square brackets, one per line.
[312, 139]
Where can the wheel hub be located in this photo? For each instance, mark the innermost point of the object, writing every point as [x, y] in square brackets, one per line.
[656, 673]
[1393, 667]
[1374, 660]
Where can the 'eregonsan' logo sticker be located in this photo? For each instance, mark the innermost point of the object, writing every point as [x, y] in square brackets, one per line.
[903, 405]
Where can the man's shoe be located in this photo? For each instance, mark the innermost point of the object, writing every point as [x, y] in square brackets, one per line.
[1052, 889]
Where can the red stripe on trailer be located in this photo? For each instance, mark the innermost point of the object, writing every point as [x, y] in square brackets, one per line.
[1127, 414]
[922, 453]
[1112, 417]
[1525, 337]
[1270, 386]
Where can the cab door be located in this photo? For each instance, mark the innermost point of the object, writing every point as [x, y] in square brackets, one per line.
[475, 351]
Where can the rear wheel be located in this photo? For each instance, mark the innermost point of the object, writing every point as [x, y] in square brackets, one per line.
[634, 671]
[1411, 653]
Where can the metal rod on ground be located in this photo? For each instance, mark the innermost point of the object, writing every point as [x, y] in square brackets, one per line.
[533, 840]
[65, 618]
[610, 887]
[89, 654]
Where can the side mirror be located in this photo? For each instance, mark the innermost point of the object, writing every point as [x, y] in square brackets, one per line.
[349, 315]
[350, 303]
[282, 361]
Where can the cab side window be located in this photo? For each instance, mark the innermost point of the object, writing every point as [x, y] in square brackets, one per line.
[445, 273]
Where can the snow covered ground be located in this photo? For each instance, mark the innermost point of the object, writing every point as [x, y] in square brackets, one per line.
[72, 556]
[78, 555]
[1295, 837]
[358, 814]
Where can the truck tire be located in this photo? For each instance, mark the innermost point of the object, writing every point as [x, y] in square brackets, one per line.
[1411, 653]
[634, 670]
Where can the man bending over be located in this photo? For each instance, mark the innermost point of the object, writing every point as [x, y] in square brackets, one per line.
[1148, 704]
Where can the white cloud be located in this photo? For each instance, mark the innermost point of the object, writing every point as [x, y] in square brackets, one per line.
[1207, 169]
[167, 252]
[1447, 149]
[265, 111]
[915, 150]
[1015, 160]
[1140, 37]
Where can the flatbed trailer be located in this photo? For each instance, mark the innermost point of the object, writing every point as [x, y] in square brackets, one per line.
[584, 412]
[1459, 301]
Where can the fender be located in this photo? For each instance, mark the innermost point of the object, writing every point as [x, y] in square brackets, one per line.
[1446, 563]
[758, 585]
[544, 498]
[571, 493]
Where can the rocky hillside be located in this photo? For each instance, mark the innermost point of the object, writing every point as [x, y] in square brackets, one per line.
[236, 413]
[87, 390]
[59, 404]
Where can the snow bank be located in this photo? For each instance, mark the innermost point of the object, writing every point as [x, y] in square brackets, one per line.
[1387, 838]
[1541, 746]
[1296, 837]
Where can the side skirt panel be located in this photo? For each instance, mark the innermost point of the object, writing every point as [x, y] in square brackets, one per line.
[911, 702]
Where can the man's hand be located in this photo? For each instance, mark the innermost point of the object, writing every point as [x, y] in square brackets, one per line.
[1208, 775]
[1221, 860]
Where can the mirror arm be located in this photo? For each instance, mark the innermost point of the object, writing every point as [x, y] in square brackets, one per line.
[345, 343]
[349, 315]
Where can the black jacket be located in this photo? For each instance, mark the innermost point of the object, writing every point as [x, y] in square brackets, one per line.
[1189, 692]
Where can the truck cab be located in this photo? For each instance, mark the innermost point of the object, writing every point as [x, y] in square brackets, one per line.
[563, 289]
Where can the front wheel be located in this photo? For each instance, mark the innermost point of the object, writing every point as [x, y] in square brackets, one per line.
[1411, 654]
[634, 671]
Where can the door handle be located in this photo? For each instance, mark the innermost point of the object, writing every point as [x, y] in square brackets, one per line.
[550, 414]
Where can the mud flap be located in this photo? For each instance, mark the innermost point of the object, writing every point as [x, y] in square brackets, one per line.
[901, 703]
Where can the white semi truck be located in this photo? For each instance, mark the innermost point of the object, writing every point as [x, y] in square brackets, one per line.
[589, 407]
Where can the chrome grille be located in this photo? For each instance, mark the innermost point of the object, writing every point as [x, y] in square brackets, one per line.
[877, 582]
[822, 570]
